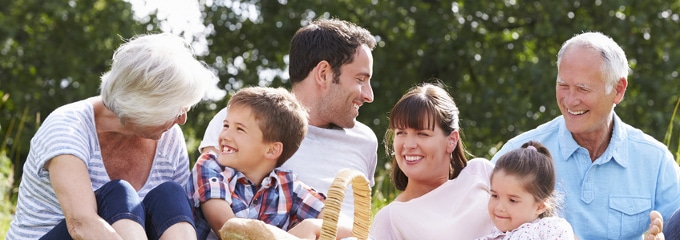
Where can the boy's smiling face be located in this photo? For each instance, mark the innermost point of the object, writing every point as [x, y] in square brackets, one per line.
[241, 145]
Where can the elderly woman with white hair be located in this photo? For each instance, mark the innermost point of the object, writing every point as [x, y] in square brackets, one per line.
[113, 166]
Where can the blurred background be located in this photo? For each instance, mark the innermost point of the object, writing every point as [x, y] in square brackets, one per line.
[497, 58]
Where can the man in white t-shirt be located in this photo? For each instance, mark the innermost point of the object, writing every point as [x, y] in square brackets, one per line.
[331, 65]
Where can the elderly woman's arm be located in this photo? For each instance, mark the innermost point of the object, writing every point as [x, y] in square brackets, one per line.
[71, 182]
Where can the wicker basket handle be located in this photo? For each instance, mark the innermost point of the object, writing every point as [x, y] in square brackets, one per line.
[362, 205]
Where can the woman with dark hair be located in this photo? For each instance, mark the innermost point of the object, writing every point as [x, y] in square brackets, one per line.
[444, 196]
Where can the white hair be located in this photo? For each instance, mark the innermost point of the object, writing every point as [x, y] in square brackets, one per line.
[153, 78]
[615, 64]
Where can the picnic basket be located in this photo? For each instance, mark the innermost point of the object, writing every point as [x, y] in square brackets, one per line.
[362, 205]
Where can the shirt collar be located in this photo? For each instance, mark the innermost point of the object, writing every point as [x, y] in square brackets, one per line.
[617, 149]
[270, 180]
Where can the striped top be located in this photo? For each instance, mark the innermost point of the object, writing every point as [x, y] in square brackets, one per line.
[70, 129]
[280, 200]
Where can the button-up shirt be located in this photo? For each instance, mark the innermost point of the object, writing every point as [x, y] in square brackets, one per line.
[280, 200]
[611, 197]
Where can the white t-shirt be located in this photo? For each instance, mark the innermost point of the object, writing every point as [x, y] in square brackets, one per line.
[211, 136]
[323, 153]
[455, 210]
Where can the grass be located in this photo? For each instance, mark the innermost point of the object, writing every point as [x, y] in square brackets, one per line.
[669, 133]
[6, 205]
[383, 191]
[6, 173]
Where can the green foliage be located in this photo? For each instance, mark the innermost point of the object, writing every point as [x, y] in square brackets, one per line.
[53, 53]
[498, 57]
[383, 191]
[668, 138]
[6, 203]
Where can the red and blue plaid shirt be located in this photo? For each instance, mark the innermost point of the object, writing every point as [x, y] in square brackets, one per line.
[281, 200]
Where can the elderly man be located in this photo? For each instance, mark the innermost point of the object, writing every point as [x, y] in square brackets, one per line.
[612, 175]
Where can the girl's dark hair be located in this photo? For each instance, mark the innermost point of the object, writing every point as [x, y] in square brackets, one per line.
[424, 107]
[534, 165]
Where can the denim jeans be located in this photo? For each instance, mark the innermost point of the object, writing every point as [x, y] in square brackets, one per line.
[162, 207]
[671, 228]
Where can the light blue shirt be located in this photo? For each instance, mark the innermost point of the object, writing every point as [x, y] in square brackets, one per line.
[610, 198]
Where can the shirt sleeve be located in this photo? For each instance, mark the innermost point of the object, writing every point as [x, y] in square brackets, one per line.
[211, 180]
[667, 197]
[310, 202]
[65, 131]
[555, 228]
[371, 169]
[182, 173]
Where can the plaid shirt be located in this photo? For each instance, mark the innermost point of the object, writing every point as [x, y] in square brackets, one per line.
[281, 200]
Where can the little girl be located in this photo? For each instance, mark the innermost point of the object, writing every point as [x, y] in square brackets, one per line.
[522, 205]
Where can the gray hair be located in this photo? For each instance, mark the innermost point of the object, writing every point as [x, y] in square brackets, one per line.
[153, 78]
[615, 64]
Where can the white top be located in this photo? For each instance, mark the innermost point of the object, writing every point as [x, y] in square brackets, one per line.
[211, 137]
[553, 228]
[455, 210]
[70, 129]
[322, 154]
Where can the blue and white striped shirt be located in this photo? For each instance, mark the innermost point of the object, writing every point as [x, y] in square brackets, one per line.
[71, 130]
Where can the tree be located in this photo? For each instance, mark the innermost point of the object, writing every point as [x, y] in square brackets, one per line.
[498, 57]
[53, 53]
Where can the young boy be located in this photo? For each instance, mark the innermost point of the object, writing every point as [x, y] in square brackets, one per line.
[263, 128]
